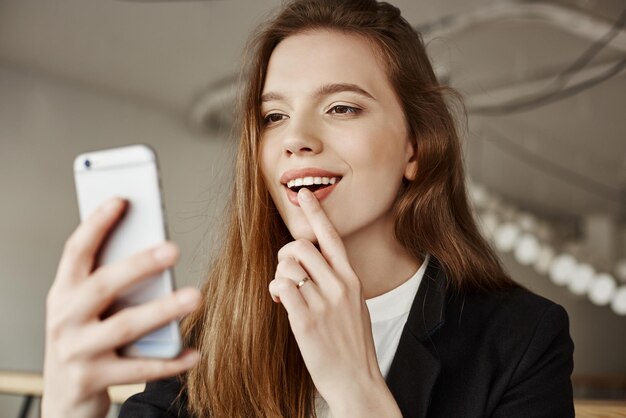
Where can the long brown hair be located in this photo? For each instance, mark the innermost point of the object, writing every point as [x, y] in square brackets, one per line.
[250, 363]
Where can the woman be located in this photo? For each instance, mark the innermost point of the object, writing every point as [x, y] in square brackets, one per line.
[349, 204]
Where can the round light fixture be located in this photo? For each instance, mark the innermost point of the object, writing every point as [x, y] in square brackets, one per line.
[562, 269]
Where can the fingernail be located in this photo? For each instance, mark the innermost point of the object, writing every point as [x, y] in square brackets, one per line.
[305, 194]
[188, 297]
[165, 252]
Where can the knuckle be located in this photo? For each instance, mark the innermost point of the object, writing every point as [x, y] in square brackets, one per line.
[302, 245]
[280, 269]
[69, 353]
[281, 285]
[73, 244]
[81, 377]
[122, 326]
[57, 325]
[278, 286]
[54, 329]
[144, 262]
[353, 283]
[98, 286]
[286, 267]
[340, 294]
[331, 233]
[283, 252]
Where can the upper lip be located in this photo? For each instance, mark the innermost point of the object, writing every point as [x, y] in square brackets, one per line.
[306, 172]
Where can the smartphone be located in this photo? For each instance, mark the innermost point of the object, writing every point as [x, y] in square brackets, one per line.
[130, 172]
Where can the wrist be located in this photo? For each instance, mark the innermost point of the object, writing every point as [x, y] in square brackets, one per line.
[369, 399]
[61, 407]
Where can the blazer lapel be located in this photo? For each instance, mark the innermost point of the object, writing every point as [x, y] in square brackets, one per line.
[415, 367]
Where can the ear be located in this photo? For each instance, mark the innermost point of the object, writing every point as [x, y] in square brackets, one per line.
[410, 169]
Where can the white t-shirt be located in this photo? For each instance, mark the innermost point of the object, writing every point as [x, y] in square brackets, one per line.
[388, 314]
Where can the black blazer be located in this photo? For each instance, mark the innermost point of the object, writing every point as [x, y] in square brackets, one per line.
[503, 354]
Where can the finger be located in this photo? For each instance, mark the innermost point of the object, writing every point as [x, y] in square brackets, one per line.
[292, 270]
[328, 238]
[308, 257]
[110, 280]
[284, 290]
[126, 371]
[82, 246]
[131, 323]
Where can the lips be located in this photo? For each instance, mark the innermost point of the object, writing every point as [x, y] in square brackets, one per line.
[321, 182]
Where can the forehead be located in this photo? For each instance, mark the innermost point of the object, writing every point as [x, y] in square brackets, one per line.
[308, 59]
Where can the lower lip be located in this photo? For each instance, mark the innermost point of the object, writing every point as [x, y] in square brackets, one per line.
[320, 194]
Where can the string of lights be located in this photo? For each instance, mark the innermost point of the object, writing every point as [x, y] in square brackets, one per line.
[513, 231]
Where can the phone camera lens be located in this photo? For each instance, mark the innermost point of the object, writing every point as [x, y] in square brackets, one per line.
[87, 163]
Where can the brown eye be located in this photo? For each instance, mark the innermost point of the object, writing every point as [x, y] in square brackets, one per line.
[273, 118]
[343, 109]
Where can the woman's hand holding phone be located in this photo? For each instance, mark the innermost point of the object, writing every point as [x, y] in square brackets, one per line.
[80, 356]
[330, 320]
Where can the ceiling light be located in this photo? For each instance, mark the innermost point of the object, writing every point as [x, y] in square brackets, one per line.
[619, 301]
[601, 289]
[544, 259]
[506, 235]
[527, 249]
[581, 279]
[562, 269]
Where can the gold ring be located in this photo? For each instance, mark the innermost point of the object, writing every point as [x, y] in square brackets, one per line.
[302, 282]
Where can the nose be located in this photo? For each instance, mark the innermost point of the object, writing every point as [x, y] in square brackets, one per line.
[302, 138]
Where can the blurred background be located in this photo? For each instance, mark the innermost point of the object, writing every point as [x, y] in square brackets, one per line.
[543, 82]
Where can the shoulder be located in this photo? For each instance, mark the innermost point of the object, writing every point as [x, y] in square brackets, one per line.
[160, 399]
[510, 318]
[529, 325]
[518, 339]
[519, 302]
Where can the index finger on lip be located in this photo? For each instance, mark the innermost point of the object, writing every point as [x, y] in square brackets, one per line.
[81, 247]
[327, 236]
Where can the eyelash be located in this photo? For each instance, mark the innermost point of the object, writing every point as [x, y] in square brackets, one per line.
[267, 120]
[350, 109]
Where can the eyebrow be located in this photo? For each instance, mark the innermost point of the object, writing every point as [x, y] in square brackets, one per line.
[325, 90]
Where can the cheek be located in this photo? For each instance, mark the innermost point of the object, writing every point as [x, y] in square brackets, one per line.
[380, 159]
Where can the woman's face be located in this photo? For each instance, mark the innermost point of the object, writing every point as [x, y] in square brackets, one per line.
[331, 118]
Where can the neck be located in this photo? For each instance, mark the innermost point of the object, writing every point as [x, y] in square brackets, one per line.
[378, 259]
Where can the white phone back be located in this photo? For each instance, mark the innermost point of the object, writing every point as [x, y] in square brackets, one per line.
[131, 173]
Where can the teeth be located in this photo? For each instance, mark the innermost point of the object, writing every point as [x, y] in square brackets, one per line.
[308, 181]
